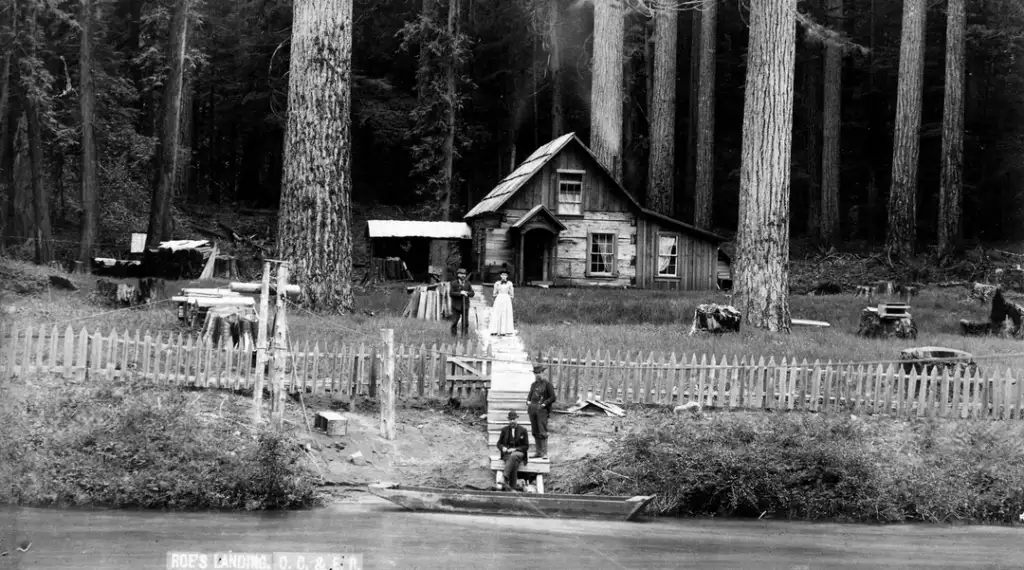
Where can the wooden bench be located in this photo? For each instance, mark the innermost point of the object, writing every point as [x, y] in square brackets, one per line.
[535, 466]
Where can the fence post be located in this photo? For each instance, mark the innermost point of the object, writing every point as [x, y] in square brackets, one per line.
[387, 386]
[261, 347]
[280, 350]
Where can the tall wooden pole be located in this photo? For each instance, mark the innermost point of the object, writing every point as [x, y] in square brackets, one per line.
[261, 346]
[388, 390]
[280, 351]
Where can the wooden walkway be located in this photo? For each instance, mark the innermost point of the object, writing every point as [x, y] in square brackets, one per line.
[511, 377]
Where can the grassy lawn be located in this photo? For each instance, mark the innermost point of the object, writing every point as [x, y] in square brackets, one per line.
[579, 320]
[376, 308]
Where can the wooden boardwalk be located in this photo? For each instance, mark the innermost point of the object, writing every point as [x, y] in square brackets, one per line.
[511, 377]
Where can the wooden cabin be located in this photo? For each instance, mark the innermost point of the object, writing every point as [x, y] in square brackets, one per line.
[561, 219]
[422, 246]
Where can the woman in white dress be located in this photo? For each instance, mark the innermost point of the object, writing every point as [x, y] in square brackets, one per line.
[501, 312]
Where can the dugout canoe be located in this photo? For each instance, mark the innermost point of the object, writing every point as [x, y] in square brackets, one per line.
[510, 503]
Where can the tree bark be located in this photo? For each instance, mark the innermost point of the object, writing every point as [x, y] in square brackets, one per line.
[90, 177]
[452, 103]
[606, 86]
[812, 135]
[161, 224]
[762, 274]
[661, 167]
[703, 216]
[184, 163]
[832, 115]
[692, 106]
[22, 211]
[315, 216]
[902, 227]
[5, 136]
[40, 200]
[951, 186]
[555, 67]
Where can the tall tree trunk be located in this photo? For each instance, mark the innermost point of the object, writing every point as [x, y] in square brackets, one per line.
[902, 227]
[90, 177]
[951, 190]
[314, 220]
[184, 164]
[703, 213]
[452, 105]
[57, 171]
[40, 200]
[606, 85]
[762, 251]
[161, 224]
[832, 114]
[22, 210]
[812, 135]
[6, 192]
[693, 100]
[661, 166]
[555, 67]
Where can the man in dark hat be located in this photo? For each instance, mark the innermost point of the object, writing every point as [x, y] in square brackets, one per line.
[461, 291]
[542, 396]
[513, 445]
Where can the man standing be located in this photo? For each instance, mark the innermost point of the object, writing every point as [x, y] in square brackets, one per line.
[513, 445]
[542, 396]
[460, 293]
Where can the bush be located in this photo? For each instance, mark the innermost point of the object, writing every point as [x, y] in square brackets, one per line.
[816, 468]
[142, 444]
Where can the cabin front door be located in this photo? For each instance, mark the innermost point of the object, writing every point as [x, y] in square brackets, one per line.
[537, 255]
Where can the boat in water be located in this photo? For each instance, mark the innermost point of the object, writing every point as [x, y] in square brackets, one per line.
[512, 503]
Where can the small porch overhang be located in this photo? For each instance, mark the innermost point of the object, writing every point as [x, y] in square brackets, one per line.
[538, 217]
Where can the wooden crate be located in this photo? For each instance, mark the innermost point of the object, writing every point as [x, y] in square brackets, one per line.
[332, 423]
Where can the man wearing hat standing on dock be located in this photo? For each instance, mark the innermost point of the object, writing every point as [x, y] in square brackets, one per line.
[542, 396]
[513, 445]
[460, 292]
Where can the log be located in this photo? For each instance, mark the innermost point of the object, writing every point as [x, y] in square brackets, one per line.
[873, 326]
[62, 283]
[809, 323]
[715, 319]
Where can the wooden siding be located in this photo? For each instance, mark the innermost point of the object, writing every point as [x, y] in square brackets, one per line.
[697, 260]
[599, 192]
[573, 256]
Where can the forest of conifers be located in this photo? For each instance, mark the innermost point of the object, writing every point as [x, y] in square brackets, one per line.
[447, 96]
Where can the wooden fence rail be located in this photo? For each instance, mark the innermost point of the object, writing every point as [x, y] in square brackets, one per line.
[790, 385]
[437, 371]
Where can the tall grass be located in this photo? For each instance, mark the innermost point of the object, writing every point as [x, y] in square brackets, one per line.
[578, 320]
[141, 444]
[808, 467]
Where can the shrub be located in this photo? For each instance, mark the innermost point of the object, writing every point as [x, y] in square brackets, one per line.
[815, 468]
[141, 444]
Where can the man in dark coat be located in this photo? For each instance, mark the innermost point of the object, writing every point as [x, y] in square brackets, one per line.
[542, 396]
[513, 445]
[461, 291]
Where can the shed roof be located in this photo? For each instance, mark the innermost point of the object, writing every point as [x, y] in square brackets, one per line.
[694, 230]
[409, 228]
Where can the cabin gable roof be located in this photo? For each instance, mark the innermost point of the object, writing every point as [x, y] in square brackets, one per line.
[540, 210]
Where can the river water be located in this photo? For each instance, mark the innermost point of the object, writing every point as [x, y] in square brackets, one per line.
[388, 537]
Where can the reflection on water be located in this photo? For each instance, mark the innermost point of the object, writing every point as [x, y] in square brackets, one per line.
[391, 538]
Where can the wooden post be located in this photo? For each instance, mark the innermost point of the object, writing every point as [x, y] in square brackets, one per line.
[280, 350]
[261, 347]
[387, 386]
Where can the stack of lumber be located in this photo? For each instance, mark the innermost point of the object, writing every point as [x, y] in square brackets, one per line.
[598, 406]
[429, 302]
[194, 304]
[234, 326]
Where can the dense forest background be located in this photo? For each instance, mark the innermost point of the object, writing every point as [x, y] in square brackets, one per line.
[235, 89]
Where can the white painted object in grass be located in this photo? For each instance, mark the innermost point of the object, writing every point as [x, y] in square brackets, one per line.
[692, 407]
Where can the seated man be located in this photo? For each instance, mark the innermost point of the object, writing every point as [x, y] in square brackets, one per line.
[513, 445]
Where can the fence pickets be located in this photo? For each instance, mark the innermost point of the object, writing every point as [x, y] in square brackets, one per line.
[184, 359]
[789, 384]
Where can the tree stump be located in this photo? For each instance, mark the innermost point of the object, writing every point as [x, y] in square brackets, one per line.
[873, 326]
[151, 290]
[715, 319]
[1006, 319]
[231, 326]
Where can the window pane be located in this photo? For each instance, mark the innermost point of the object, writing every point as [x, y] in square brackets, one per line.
[668, 248]
[602, 253]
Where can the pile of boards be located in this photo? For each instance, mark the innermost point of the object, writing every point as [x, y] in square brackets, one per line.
[594, 405]
[225, 314]
[429, 302]
[387, 269]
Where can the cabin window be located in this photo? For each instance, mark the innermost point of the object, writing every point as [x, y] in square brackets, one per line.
[570, 192]
[668, 255]
[601, 254]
